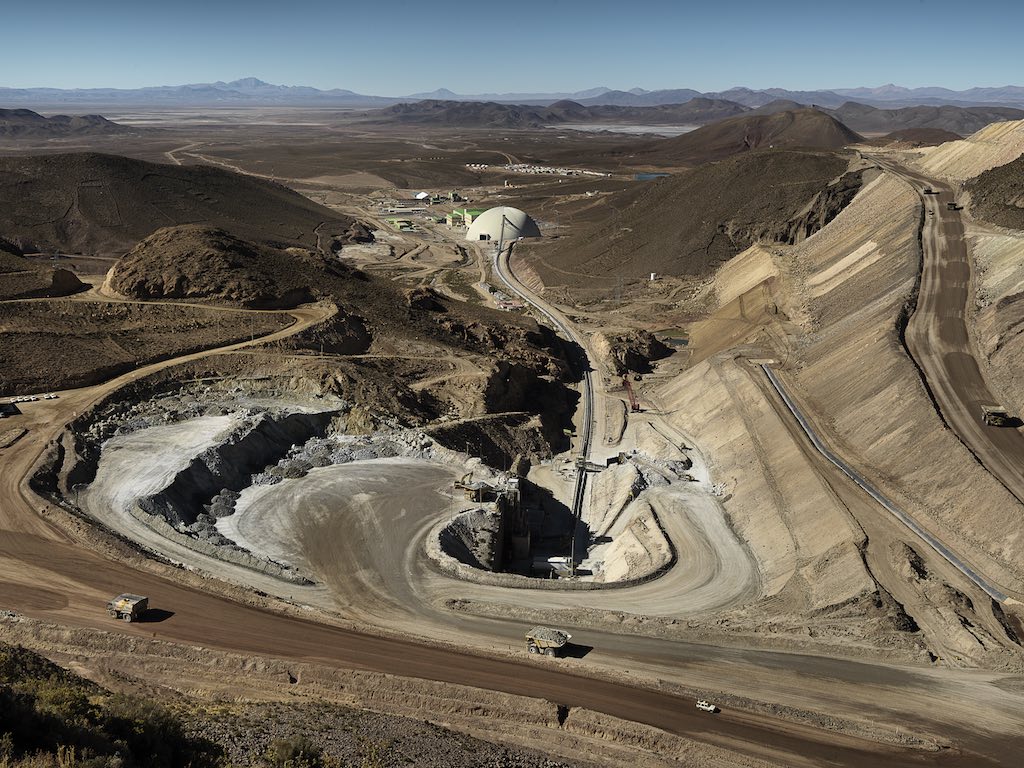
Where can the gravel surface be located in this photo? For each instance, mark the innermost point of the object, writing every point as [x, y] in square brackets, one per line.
[248, 732]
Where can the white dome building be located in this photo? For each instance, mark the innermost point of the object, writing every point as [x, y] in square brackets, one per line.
[502, 223]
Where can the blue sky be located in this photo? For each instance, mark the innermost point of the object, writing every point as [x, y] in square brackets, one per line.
[400, 47]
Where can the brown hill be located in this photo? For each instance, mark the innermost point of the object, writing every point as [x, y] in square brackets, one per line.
[960, 120]
[688, 223]
[918, 137]
[462, 114]
[803, 128]
[199, 263]
[93, 203]
[997, 195]
[24, 123]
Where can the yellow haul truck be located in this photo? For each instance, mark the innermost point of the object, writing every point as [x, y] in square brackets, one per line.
[550, 642]
[128, 607]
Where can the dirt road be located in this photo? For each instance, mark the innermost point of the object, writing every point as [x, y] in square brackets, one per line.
[938, 339]
[81, 581]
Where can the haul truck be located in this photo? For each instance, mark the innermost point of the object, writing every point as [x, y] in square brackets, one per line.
[994, 415]
[547, 641]
[128, 607]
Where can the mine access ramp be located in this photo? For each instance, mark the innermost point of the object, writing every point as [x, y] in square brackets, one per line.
[550, 642]
[128, 607]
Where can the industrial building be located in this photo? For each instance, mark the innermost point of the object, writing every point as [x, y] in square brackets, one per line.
[502, 223]
[463, 217]
[402, 225]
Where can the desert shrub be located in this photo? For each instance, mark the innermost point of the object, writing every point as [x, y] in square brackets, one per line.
[50, 717]
[296, 752]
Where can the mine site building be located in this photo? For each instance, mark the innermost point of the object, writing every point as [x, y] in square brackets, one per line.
[503, 223]
[463, 217]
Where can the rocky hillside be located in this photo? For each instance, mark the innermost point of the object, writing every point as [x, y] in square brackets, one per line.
[959, 120]
[201, 263]
[997, 195]
[21, 278]
[50, 715]
[208, 265]
[688, 223]
[24, 123]
[632, 351]
[94, 203]
[52, 718]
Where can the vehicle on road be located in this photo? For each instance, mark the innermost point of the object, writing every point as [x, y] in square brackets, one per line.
[930, 191]
[550, 642]
[994, 415]
[954, 206]
[706, 706]
[128, 607]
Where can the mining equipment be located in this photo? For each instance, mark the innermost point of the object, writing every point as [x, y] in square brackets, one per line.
[128, 607]
[994, 415]
[706, 706]
[951, 205]
[550, 642]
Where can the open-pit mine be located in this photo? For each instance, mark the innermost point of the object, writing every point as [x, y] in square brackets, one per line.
[358, 421]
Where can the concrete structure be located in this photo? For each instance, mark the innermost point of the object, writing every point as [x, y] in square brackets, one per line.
[502, 223]
[402, 225]
[463, 217]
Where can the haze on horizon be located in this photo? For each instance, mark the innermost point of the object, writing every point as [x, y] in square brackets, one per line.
[531, 46]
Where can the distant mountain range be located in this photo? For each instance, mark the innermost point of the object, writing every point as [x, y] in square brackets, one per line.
[248, 91]
[954, 120]
[490, 114]
[251, 91]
